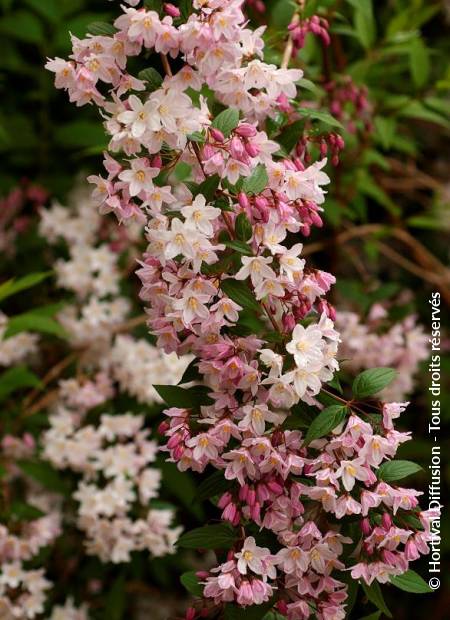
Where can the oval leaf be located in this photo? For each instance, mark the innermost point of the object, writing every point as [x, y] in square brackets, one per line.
[411, 582]
[208, 537]
[190, 582]
[372, 381]
[226, 121]
[395, 470]
[240, 293]
[325, 422]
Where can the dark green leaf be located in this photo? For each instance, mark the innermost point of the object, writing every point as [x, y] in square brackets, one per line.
[197, 136]
[190, 582]
[375, 616]
[411, 582]
[11, 287]
[215, 484]
[396, 470]
[208, 187]
[325, 422]
[372, 381]
[25, 512]
[375, 596]
[243, 227]
[44, 474]
[34, 322]
[226, 121]
[102, 29]
[219, 536]
[116, 600]
[17, 378]
[153, 78]
[186, 398]
[239, 292]
[191, 373]
[239, 246]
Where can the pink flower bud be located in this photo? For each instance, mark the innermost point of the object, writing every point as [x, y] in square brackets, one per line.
[252, 149]
[171, 10]
[190, 613]
[217, 134]
[282, 607]
[243, 492]
[236, 148]
[246, 130]
[288, 321]
[157, 162]
[178, 452]
[163, 427]
[229, 514]
[386, 521]
[243, 200]
[251, 497]
[224, 500]
[365, 527]
[255, 512]
[174, 440]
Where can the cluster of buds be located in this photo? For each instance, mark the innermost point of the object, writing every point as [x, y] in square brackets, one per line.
[298, 30]
[349, 103]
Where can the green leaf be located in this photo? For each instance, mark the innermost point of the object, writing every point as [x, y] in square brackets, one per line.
[190, 582]
[208, 187]
[372, 381]
[215, 484]
[385, 128]
[182, 486]
[243, 227]
[325, 422]
[364, 23]
[375, 596]
[11, 287]
[226, 121]
[290, 135]
[239, 246]
[17, 378]
[45, 475]
[219, 536]
[318, 115]
[411, 582]
[185, 398]
[416, 109]
[191, 373]
[25, 512]
[257, 181]
[197, 136]
[34, 322]
[116, 600]
[419, 63]
[396, 470]
[153, 78]
[102, 29]
[80, 134]
[240, 293]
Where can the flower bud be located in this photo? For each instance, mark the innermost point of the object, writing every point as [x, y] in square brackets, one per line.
[217, 134]
[365, 527]
[246, 130]
[171, 10]
[243, 200]
[163, 427]
[386, 521]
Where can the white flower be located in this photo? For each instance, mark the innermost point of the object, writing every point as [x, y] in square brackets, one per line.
[257, 268]
[200, 216]
[350, 471]
[290, 264]
[136, 117]
[306, 345]
[253, 557]
[139, 177]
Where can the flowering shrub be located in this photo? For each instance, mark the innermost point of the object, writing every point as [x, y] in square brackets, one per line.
[203, 157]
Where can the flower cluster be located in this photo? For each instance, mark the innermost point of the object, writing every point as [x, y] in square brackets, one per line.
[224, 281]
[113, 458]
